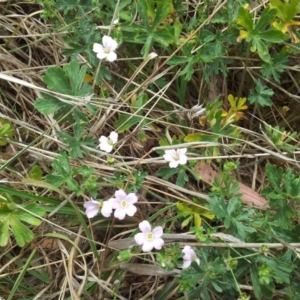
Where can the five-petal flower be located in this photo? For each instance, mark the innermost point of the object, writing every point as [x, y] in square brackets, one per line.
[91, 208]
[106, 50]
[149, 238]
[189, 256]
[107, 144]
[123, 204]
[175, 157]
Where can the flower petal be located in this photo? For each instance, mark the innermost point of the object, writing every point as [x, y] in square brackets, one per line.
[131, 198]
[92, 212]
[140, 238]
[120, 195]
[113, 136]
[106, 147]
[101, 55]
[106, 209]
[131, 210]
[103, 139]
[158, 243]
[109, 43]
[145, 227]
[98, 48]
[158, 231]
[173, 164]
[181, 151]
[147, 247]
[186, 264]
[182, 160]
[120, 213]
[111, 56]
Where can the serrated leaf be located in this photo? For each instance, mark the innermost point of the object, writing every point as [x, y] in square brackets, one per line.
[48, 104]
[56, 80]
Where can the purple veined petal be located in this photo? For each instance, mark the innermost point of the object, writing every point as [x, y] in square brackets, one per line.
[98, 48]
[111, 56]
[131, 210]
[145, 227]
[120, 195]
[173, 164]
[131, 198]
[120, 213]
[181, 151]
[113, 136]
[158, 243]
[140, 238]
[168, 157]
[147, 247]
[157, 231]
[186, 264]
[91, 212]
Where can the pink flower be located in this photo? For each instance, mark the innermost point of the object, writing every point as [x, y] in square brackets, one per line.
[107, 144]
[175, 157]
[91, 208]
[106, 50]
[189, 256]
[149, 239]
[123, 204]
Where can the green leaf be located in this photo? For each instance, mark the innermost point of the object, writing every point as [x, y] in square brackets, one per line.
[125, 122]
[11, 219]
[182, 178]
[272, 36]
[245, 19]
[261, 94]
[166, 172]
[4, 232]
[163, 37]
[264, 20]
[142, 8]
[48, 104]
[56, 80]
[162, 11]
[35, 172]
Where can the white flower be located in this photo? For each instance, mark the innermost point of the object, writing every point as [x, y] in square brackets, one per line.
[189, 256]
[149, 238]
[123, 204]
[175, 157]
[107, 144]
[91, 208]
[106, 50]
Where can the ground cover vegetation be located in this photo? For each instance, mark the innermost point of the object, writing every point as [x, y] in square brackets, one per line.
[149, 149]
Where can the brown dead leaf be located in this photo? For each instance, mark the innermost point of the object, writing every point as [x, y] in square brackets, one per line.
[249, 196]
